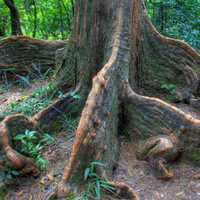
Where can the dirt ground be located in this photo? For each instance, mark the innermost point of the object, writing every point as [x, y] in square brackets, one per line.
[14, 92]
[137, 174]
[29, 188]
[140, 176]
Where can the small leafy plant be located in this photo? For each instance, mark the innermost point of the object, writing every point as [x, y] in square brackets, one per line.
[169, 88]
[23, 81]
[95, 183]
[32, 146]
[75, 96]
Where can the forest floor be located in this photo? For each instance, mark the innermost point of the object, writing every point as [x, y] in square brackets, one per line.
[136, 173]
[13, 93]
[141, 177]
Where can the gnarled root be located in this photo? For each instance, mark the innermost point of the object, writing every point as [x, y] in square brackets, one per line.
[158, 151]
[9, 128]
[124, 190]
[21, 54]
[174, 58]
[25, 164]
[18, 124]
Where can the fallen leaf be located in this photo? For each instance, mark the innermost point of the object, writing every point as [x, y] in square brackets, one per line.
[20, 193]
[30, 198]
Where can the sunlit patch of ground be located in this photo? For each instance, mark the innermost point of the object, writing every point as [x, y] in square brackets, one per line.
[13, 93]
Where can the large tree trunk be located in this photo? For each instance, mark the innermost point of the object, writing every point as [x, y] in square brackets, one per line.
[15, 17]
[118, 52]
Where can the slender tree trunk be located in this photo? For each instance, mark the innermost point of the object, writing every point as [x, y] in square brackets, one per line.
[61, 17]
[116, 48]
[35, 19]
[3, 26]
[72, 3]
[15, 17]
[162, 16]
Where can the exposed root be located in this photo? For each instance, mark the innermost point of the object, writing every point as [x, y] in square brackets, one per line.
[23, 54]
[173, 54]
[174, 42]
[9, 127]
[157, 114]
[124, 190]
[98, 126]
[16, 124]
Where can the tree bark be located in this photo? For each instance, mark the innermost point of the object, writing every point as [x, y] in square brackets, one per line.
[127, 50]
[117, 53]
[3, 26]
[15, 17]
[35, 19]
[20, 54]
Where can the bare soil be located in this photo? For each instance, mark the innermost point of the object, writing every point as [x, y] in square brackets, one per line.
[141, 177]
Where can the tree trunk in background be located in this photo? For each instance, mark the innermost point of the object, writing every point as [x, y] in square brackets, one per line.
[121, 60]
[72, 2]
[3, 26]
[162, 16]
[15, 17]
[35, 18]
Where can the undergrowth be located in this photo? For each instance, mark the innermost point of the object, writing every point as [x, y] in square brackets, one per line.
[94, 183]
[32, 146]
[3, 193]
[170, 90]
[38, 100]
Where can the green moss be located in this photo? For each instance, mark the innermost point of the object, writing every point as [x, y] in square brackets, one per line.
[71, 196]
[3, 193]
[192, 156]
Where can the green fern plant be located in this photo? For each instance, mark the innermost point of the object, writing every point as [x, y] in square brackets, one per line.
[169, 88]
[32, 146]
[95, 184]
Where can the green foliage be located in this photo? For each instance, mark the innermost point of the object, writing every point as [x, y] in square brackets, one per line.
[50, 89]
[169, 88]
[23, 81]
[3, 193]
[46, 19]
[75, 96]
[32, 146]
[178, 19]
[194, 155]
[95, 184]
[29, 105]
[70, 123]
